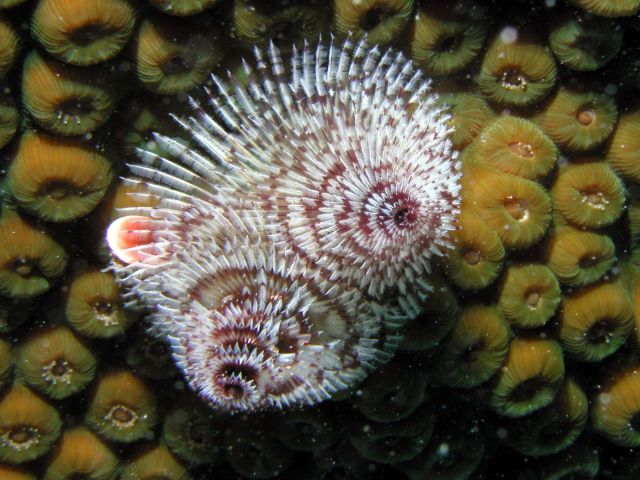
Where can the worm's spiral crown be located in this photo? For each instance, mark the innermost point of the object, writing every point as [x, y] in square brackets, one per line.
[287, 248]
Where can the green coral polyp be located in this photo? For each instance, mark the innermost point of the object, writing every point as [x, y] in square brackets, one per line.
[172, 58]
[585, 44]
[516, 73]
[9, 117]
[381, 20]
[182, 8]
[475, 349]
[56, 179]
[528, 295]
[66, 100]
[578, 120]
[55, 363]
[609, 8]
[529, 379]
[83, 33]
[30, 260]
[445, 42]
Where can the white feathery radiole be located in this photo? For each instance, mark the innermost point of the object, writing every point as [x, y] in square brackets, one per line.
[294, 230]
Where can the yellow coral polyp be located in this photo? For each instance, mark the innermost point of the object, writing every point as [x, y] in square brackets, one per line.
[157, 462]
[122, 408]
[255, 22]
[453, 452]
[8, 472]
[182, 8]
[436, 320]
[446, 40]
[478, 254]
[193, 432]
[579, 258]
[528, 295]
[6, 362]
[394, 442]
[631, 278]
[624, 147]
[55, 362]
[66, 100]
[308, 431]
[594, 322]
[56, 179]
[9, 45]
[518, 210]
[144, 117]
[380, 20]
[94, 306]
[588, 195]
[30, 260]
[515, 146]
[609, 8]
[81, 32]
[80, 453]
[616, 409]
[584, 42]
[529, 379]
[29, 426]
[516, 73]
[173, 57]
[554, 428]
[475, 349]
[9, 117]
[10, 3]
[390, 394]
[252, 450]
[578, 120]
[470, 114]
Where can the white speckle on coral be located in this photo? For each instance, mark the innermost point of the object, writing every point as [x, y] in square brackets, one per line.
[509, 35]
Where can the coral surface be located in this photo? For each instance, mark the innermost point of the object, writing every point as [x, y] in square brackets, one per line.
[516, 350]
